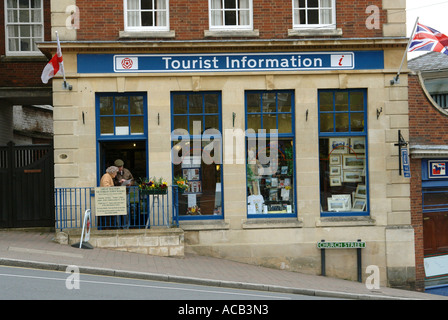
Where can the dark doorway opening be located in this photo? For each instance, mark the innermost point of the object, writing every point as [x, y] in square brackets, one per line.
[133, 153]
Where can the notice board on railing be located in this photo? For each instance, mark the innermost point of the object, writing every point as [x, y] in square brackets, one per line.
[110, 201]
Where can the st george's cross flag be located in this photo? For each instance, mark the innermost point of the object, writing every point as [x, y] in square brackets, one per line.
[428, 39]
[55, 65]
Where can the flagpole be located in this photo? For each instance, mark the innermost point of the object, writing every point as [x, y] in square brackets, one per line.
[59, 50]
[396, 80]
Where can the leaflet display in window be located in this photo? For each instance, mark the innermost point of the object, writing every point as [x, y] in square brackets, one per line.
[343, 174]
[270, 187]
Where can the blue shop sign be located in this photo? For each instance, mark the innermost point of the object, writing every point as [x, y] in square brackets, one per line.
[237, 62]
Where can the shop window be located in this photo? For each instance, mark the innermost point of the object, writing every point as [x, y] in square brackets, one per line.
[343, 152]
[121, 115]
[230, 14]
[270, 173]
[146, 15]
[24, 24]
[314, 13]
[196, 153]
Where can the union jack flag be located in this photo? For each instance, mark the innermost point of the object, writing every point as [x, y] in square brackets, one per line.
[428, 39]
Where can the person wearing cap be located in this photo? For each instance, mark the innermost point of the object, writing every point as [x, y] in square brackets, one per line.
[123, 174]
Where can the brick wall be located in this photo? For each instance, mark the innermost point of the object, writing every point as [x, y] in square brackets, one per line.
[17, 72]
[102, 20]
[427, 126]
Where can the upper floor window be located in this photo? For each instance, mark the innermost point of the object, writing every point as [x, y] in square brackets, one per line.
[24, 26]
[146, 15]
[230, 14]
[314, 13]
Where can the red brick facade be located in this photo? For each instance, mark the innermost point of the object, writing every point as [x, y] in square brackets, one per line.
[427, 126]
[102, 20]
[22, 72]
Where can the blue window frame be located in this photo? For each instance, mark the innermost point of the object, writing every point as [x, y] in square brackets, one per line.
[343, 150]
[270, 170]
[197, 143]
[121, 118]
[121, 115]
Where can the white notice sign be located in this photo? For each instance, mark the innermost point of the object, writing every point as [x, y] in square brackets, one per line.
[110, 201]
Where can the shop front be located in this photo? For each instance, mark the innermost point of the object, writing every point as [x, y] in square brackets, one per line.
[281, 146]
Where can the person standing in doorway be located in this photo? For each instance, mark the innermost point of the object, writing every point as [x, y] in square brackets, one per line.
[124, 176]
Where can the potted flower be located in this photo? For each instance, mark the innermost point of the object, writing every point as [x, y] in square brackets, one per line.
[181, 183]
[153, 186]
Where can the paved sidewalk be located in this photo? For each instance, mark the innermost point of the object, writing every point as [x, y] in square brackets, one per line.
[37, 249]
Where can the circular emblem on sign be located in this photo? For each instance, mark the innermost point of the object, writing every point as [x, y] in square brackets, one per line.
[127, 63]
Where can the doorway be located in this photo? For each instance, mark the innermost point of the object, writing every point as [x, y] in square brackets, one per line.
[133, 153]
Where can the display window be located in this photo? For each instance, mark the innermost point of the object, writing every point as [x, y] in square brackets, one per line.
[197, 159]
[343, 153]
[270, 172]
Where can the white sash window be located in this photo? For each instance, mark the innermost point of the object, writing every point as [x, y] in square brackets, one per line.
[314, 14]
[24, 26]
[146, 15]
[230, 14]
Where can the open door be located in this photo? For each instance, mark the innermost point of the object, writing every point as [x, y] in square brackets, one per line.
[133, 153]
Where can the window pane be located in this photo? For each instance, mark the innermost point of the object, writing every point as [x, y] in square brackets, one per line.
[341, 101]
[25, 45]
[121, 105]
[270, 177]
[284, 102]
[137, 126]
[230, 18]
[313, 16]
[136, 105]
[196, 125]
[24, 4]
[269, 122]
[146, 4]
[24, 15]
[253, 102]
[326, 122]
[254, 122]
[356, 101]
[342, 174]
[180, 122]
[106, 106]
[326, 101]
[285, 123]
[211, 103]
[269, 102]
[342, 122]
[107, 125]
[180, 104]
[147, 19]
[195, 103]
[211, 122]
[357, 122]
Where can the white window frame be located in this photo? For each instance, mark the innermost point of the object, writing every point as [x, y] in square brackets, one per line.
[146, 28]
[295, 15]
[223, 27]
[8, 25]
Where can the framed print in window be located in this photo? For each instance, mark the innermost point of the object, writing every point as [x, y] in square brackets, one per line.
[359, 204]
[335, 159]
[335, 181]
[360, 191]
[335, 170]
[352, 162]
[338, 146]
[336, 205]
[357, 145]
[352, 176]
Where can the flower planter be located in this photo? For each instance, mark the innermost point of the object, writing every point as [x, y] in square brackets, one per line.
[149, 192]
